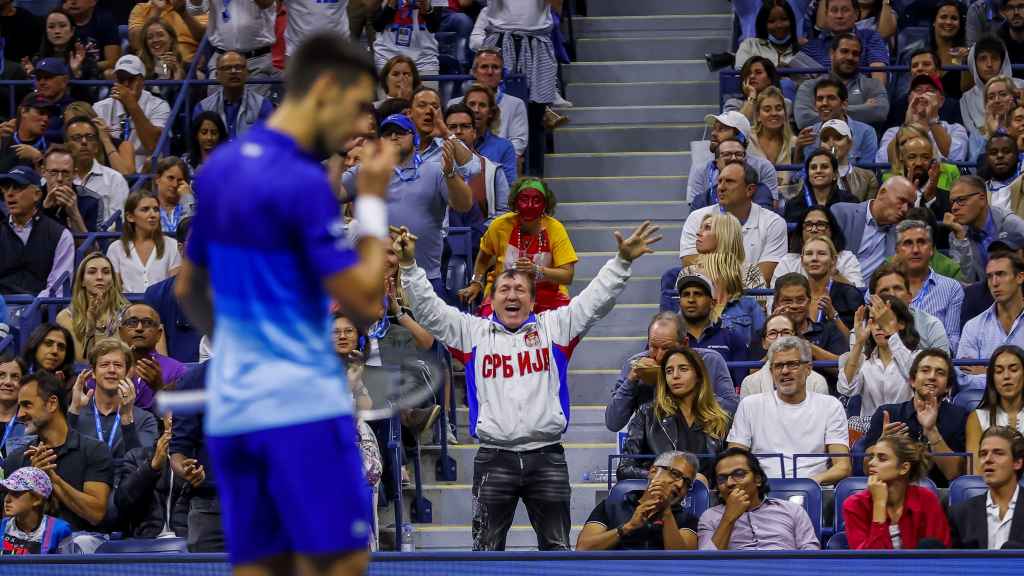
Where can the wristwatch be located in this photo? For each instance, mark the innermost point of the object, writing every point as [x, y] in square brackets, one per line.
[621, 531]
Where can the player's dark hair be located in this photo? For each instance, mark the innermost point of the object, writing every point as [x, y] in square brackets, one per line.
[48, 385]
[326, 53]
[392, 106]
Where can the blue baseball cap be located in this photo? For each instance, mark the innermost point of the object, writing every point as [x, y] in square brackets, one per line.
[23, 176]
[52, 66]
[405, 123]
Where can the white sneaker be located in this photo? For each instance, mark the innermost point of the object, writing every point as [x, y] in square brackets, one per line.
[451, 434]
[560, 102]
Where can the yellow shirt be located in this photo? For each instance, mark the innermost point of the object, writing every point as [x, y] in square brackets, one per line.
[553, 252]
[188, 44]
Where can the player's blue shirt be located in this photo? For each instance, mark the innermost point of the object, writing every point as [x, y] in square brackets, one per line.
[269, 231]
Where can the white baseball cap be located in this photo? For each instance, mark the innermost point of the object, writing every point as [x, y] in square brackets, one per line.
[839, 126]
[731, 119]
[131, 64]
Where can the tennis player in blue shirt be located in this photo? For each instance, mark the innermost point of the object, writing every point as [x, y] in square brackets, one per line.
[267, 249]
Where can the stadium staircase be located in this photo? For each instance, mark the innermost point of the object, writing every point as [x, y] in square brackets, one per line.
[641, 90]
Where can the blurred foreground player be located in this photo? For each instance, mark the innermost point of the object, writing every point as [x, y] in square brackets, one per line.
[269, 248]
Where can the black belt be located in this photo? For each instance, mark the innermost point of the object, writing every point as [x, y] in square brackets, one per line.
[250, 54]
[549, 449]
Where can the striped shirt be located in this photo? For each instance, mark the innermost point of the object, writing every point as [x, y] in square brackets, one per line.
[980, 337]
[943, 298]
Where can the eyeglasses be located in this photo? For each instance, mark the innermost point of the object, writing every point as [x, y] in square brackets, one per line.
[133, 322]
[84, 138]
[961, 200]
[61, 174]
[1014, 8]
[677, 475]
[778, 333]
[790, 366]
[737, 475]
[816, 224]
[732, 155]
[343, 332]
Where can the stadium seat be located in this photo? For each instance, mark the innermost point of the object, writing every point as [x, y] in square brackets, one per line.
[965, 488]
[804, 491]
[619, 511]
[143, 546]
[838, 542]
[968, 399]
[849, 486]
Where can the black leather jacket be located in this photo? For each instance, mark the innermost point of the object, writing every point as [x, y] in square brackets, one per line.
[650, 435]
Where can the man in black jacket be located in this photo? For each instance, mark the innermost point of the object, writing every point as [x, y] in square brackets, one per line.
[995, 519]
[143, 484]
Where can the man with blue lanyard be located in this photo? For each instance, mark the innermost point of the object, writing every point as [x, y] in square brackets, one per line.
[703, 177]
[420, 191]
[109, 413]
[270, 248]
[975, 224]
[488, 70]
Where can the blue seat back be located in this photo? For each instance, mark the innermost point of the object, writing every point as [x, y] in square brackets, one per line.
[143, 546]
[620, 510]
[849, 486]
[838, 541]
[803, 490]
[966, 487]
[969, 399]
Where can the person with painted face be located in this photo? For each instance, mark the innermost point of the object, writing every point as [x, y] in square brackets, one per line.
[529, 240]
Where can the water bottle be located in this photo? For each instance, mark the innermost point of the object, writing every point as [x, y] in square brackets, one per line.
[408, 534]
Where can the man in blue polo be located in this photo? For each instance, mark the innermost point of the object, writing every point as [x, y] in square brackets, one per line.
[696, 301]
[420, 191]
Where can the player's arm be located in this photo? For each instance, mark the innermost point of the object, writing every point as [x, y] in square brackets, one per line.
[192, 288]
[359, 289]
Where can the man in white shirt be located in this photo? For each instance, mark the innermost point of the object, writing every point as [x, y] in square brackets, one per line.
[82, 138]
[132, 113]
[308, 16]
[246, 27]
[990, 520]
[792, 420]
[488, 68]
[764, 232]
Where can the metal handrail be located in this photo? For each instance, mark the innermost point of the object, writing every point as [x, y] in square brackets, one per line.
[613, 457]
[851, 455]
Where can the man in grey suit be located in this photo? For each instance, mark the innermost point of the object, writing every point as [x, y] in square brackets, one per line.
[870, 226]
[975, 224]
[994, 519]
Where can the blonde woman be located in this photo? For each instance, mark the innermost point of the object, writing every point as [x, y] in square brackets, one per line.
[96, 304]
[774, 138]
[684, 415]
[833, 297]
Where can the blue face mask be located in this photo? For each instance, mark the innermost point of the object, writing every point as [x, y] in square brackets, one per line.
[779, 41]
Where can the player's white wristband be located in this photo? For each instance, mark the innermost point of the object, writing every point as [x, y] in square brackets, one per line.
[372, 215]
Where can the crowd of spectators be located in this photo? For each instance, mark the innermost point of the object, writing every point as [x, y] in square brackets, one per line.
[886, 229]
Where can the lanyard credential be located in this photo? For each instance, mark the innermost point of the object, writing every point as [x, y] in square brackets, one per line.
[7, 433]
[99, 427]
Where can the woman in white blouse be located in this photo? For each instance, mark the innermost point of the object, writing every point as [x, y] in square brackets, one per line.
[819, 221]
[778, 325]
[878, 364]
[143, 256]
[1003, 401]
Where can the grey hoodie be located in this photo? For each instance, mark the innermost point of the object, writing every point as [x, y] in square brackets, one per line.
[972, 103]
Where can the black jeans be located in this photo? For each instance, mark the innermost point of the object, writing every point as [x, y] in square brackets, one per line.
[205, 533]
[539, 477]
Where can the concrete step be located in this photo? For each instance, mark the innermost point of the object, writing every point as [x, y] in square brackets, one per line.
[610, 188]
[460, 537]
[627, 138]
[617, 211]
[452, 505]
[592, 384]
[648, 265]
[618, 164]
[579, 457]
[661, 47]
[606, 353]
[624, 320]
[656, 7]
[599, 238]
[612, 115]
[639, 26]
[643, 93]
[637, 71]
[639, 289]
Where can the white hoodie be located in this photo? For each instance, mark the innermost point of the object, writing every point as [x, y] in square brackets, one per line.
[517, 381]
[972, 103]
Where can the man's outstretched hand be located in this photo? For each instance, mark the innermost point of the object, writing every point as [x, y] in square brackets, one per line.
[638, 243]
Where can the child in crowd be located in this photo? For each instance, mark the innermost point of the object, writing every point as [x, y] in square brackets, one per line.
[26, 528]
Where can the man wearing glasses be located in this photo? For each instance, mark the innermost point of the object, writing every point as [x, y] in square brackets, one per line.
[141, 329]
[748, 519]
[700, 187]
[975, 224]
[76, 207]
[83, 141]
[239, 106]
[658, 521]
[790, 420]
